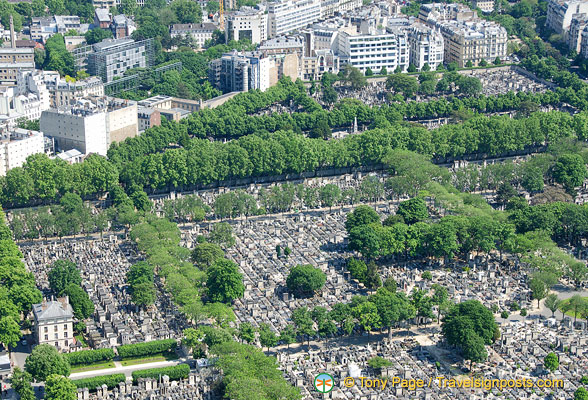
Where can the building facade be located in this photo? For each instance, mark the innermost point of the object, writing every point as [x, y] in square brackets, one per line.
[313, 67]
[574, 33]
[14, 60]
[17, 145]
[426, 46]
[64, 93]
[112, 57]
[247, 23]
[487, 6]
[42, 28]
[199, 32]
[375, 49]
[54, 323]
[285, 16]
[91, 125]
[331, 7]
[240, 72]
[560, 13]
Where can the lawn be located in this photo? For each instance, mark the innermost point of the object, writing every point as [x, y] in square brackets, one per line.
[571, 312]
[92, 367]
[80, 338]
[150, 359]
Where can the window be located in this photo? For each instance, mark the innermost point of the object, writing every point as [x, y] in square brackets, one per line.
[54, 328]
[46, 337]
[65, 326]
[57, 336]
[46, 330]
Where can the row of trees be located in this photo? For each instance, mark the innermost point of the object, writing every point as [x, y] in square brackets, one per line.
[18, 291]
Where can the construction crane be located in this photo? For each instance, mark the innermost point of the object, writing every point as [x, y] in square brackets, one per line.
[221, 15]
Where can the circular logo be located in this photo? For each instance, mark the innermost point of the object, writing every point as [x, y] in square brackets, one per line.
[323, 383]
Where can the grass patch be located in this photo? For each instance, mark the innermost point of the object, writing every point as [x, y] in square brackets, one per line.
[571, 313]
[80, 338]
[150, 359]
[92, 367]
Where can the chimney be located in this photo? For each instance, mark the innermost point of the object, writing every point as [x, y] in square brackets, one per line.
[12, 38]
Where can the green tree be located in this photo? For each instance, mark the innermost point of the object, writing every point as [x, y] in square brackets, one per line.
[413, 210]
[329, 195]
[551, 362]
[225, 282]
[401, 83]
[187, 11]
[80, 302]
[246, 332]
[303, 321]
[222, 234]
[539, 289]
[569, 170]
[63, 273]
[59, 387]
[267, 337]
[97, 35]
[581, 393]
[368, 316]
[440, 298]
[21, 383]
[305, 280]
[193, 338]
[45, 360]
[552, 303]
[9, 331]
[205, 254]
[288, 335]
[473, 348]
[469, 318]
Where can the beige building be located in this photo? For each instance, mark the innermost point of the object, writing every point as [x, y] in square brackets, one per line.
[560, 13]
[314, 67]
[63, 93]
[14, 60]
[574, 34]
[486, 6]
[91, 125]
[54, 323]
[247, 23]
[467, 38]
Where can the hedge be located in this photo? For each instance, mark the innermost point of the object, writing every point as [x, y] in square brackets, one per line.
[84, 357]
[146, 349]
[175, 373]
[92, 383]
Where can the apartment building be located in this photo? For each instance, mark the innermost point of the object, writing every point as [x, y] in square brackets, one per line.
[14, 60]
[426, 46]
[112, 57]
[467, 38]
[574, 33]
[286, 16]
[42, 28]
[91, 125]
[331, 7]
[240, 72]
[487, 6]
[54, 323]
[560, 13]
[314, 67]
[375, 48]
[16, 145]
[247, 23]
[199, 32]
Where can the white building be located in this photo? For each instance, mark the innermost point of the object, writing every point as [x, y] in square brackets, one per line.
[14, 106]
[54, 323]
[375, 49]
[64, 93]
[247, 23]
[289, 15]
[37, 82]
[560, 12]
[91, 125]
[331, 7]
[199, 32]
[240, 72]
[426, 46]
[16, 146]
[42, 28]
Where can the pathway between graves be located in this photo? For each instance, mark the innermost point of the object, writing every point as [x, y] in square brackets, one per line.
[128, 370]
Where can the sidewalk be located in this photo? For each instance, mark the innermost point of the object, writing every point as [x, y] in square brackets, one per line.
[119, 369]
